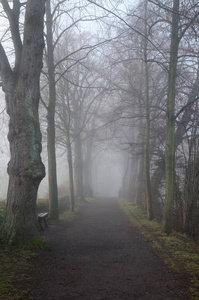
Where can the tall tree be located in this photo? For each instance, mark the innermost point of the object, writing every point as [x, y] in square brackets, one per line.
[147, 107]
[170, 126]
[22, 93]
[64, 124]
[52, 169]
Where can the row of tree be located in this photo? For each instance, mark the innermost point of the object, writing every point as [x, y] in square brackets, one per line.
[164, 95]
[130, 84]
[70, 88]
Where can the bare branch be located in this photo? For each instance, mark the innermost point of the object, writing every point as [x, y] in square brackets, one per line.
[13, 17]
[5, 69]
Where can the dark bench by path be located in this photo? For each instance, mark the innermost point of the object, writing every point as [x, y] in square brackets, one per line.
[42, 217]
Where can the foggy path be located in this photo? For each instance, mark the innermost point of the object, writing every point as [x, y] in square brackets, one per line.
[101, 256]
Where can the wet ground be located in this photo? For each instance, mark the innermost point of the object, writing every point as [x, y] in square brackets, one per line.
[101, 256]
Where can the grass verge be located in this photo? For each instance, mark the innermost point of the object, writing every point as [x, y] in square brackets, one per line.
[14, 272]
[178, 250]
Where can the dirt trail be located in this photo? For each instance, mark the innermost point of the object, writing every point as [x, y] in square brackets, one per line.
[101, 256]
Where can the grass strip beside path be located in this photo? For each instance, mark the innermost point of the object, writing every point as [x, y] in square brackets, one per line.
[180, 252]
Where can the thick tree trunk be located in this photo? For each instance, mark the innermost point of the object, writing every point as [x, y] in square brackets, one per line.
[52, 169]
[170, 127]
[25, 168]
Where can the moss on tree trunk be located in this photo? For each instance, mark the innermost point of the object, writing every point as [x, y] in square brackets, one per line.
[25, 168]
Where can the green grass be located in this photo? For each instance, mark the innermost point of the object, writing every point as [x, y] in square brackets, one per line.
[178, 250]
[14, 272]
[14, 267]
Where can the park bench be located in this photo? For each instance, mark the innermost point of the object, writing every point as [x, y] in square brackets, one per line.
[42, 218]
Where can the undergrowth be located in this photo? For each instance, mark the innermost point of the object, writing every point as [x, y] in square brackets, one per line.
[178, 250]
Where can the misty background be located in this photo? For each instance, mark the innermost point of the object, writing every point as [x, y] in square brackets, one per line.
[89, 37]
[106, 71]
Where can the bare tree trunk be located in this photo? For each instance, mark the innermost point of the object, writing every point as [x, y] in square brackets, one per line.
[52, 169]
[147, 137]
[65, 116]
[188, 112]
[191, 187]
[180, 132]
[140, 187]
[70, 172]
[87, 168]
[140, 191]
[78, 168]
[22, 92]
[170, 127]
[78, 157]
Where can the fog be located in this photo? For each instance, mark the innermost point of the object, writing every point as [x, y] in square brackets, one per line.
[4, 148]
[106, 168]
[106, 174]
[119, 103]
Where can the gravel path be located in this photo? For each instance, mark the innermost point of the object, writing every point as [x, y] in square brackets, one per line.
[101, 256]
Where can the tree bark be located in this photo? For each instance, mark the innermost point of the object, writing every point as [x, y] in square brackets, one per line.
[140, 191]
[147, 136]
[65, 115]
[22, 92]
[52, 168]
[78, 157]
[191, 187]
[188, 112]
[179, 133]
[170, 125]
